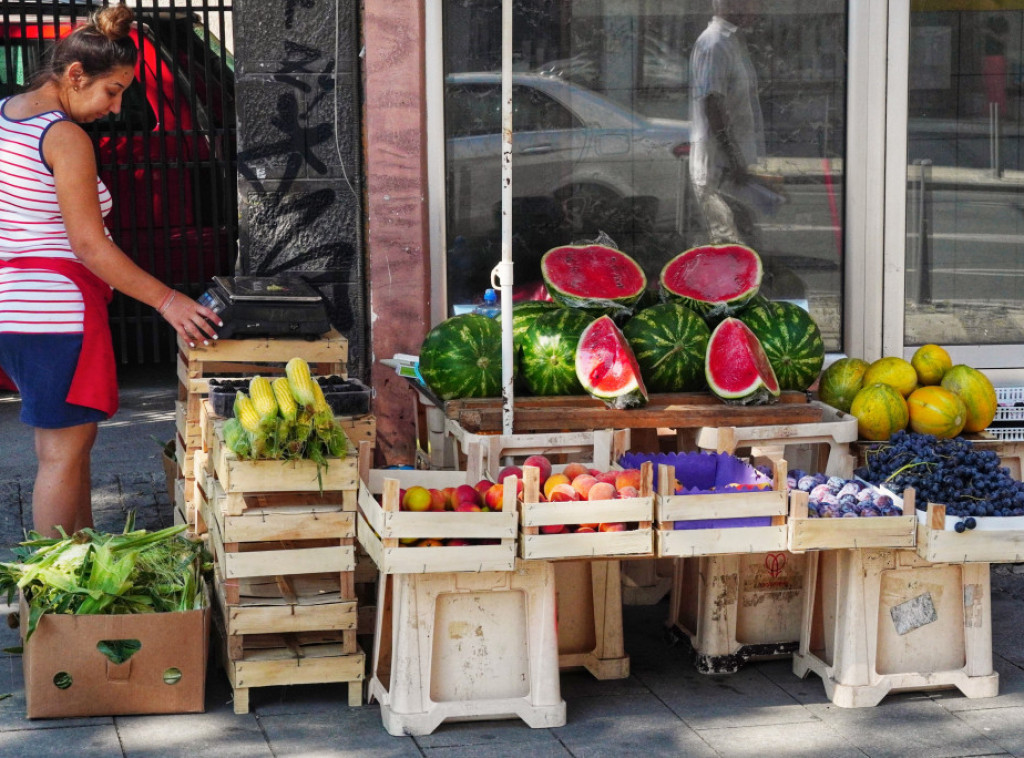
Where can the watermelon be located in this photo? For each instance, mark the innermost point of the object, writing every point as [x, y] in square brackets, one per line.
[714, 280]
[606, 366]
[670, 342]
[737, 368]
[461, 357]
[791, 340]
[548, 360]
[525, 313]
[592, 276]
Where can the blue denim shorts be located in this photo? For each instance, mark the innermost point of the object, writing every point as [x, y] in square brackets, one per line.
[42, 366]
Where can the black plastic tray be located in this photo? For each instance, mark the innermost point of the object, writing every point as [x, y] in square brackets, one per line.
[347, 397]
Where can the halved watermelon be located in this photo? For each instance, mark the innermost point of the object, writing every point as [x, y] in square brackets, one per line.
[606, 366]
[736, 366]
[592, 276]
[714, 280]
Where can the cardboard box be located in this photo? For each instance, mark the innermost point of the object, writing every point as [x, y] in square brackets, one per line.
[67, 675]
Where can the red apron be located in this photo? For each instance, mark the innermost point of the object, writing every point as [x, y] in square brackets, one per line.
[94, 384]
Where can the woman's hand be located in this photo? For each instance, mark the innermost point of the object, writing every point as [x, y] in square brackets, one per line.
[191, 320]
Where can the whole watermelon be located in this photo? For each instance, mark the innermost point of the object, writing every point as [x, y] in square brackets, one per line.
[670, 342]
[548, 361]
[461, 357]
[524, 313]
[791, 340]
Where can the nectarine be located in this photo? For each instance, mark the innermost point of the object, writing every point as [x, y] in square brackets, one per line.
[562, 493]
[572, 470]
[494, 496]
[542, 464]
[601, 491]
[583, 483]
[628, 478]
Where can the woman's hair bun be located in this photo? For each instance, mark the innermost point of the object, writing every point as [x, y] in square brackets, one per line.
[114, 21]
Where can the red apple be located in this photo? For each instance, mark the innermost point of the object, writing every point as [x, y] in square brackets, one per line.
[494, 497]
[438, 500]
[465, 493]
[541, 463]
[449, 498]
[467, 507]
[482, 486]
[417, 499]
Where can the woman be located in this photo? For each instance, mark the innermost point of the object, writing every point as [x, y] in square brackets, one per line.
[58, 264]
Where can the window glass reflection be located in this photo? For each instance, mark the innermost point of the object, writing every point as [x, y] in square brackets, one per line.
[965, 213]
[607, 134]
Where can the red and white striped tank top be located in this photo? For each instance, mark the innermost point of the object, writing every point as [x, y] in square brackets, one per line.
[34, 301]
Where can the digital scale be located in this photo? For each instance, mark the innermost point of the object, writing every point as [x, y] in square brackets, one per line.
[258, 306]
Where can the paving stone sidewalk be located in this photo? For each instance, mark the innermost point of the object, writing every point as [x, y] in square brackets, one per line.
[664, 708]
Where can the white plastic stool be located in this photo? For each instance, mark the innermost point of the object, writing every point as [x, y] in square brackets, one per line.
[460, 647]
[590, 618]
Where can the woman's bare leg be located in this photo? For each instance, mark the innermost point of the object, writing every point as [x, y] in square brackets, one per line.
[63, 490]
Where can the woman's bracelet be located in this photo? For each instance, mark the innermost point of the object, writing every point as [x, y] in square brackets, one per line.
[168, 299]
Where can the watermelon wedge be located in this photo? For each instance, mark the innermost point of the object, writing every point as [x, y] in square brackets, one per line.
[606, 366]
[592, 276]
[714, 280]
[737, 367]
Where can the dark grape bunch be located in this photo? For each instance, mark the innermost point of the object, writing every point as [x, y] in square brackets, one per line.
[968, 481]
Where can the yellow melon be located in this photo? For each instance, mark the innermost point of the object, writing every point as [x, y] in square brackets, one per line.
[934, 410]
[977, 392]
[880, 410]
[931, 362]
[895, 372]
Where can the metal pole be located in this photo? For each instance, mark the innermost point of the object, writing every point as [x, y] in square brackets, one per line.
[501, 276]
[925, 231]
[993, 140]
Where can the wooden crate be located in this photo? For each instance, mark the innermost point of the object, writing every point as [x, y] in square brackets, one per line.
[670, 508]
[939, 543]
[238, 476]
[832, 435]
[187, 428]
[848, 533]
[876, 621]
[382, 525]
[533, 514]
[309, 660]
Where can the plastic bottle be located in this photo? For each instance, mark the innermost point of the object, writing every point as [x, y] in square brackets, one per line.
[489, 306]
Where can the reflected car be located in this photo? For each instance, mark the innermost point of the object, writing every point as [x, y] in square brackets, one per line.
[596, 163]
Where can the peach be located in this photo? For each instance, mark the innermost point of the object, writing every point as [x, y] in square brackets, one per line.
[449, 497]
[562, 493]
[583, 483]
[629, 492]
[438, 500]
[572, 470]
[617, 526]
[594, 472]
[417, 499]
[494, 496]
[607, 476]
[601, 491]
[509, 471]
[552, 481]
[554, 529]
[540, 462]
[430, 543]
[585, 529]
[628, 478]
[465, 493]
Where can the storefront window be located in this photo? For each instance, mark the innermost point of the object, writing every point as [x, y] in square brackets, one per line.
[965, 193]
[605, 129]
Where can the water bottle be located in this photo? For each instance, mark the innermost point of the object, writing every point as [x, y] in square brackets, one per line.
[489, 306]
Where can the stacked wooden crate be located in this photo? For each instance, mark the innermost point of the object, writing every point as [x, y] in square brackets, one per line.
[283, 538]
[224, 359]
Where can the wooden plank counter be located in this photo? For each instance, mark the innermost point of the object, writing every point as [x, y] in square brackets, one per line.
[686, 410]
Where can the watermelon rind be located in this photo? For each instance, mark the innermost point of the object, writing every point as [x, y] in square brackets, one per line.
[592, 276]
[606, 366]
[547, 363]
[670, 342]
[714, 280]
[791, 339]
[461, 357]
[737, 368]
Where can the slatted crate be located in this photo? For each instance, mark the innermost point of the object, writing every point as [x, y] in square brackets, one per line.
[768, 507]
[534, 515]
[995, 540]
[284, 588]
[382, 525]
[807, 533]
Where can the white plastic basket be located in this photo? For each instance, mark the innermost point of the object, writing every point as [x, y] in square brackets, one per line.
[1010, 404]
[1007, 433]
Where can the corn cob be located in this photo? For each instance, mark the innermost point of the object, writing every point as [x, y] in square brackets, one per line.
[246, 413]
[263, 397]
[337, 445]
[285, 400]
[236, 438]
[301, 383]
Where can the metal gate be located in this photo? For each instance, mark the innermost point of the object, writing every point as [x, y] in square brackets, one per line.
[168, 157]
